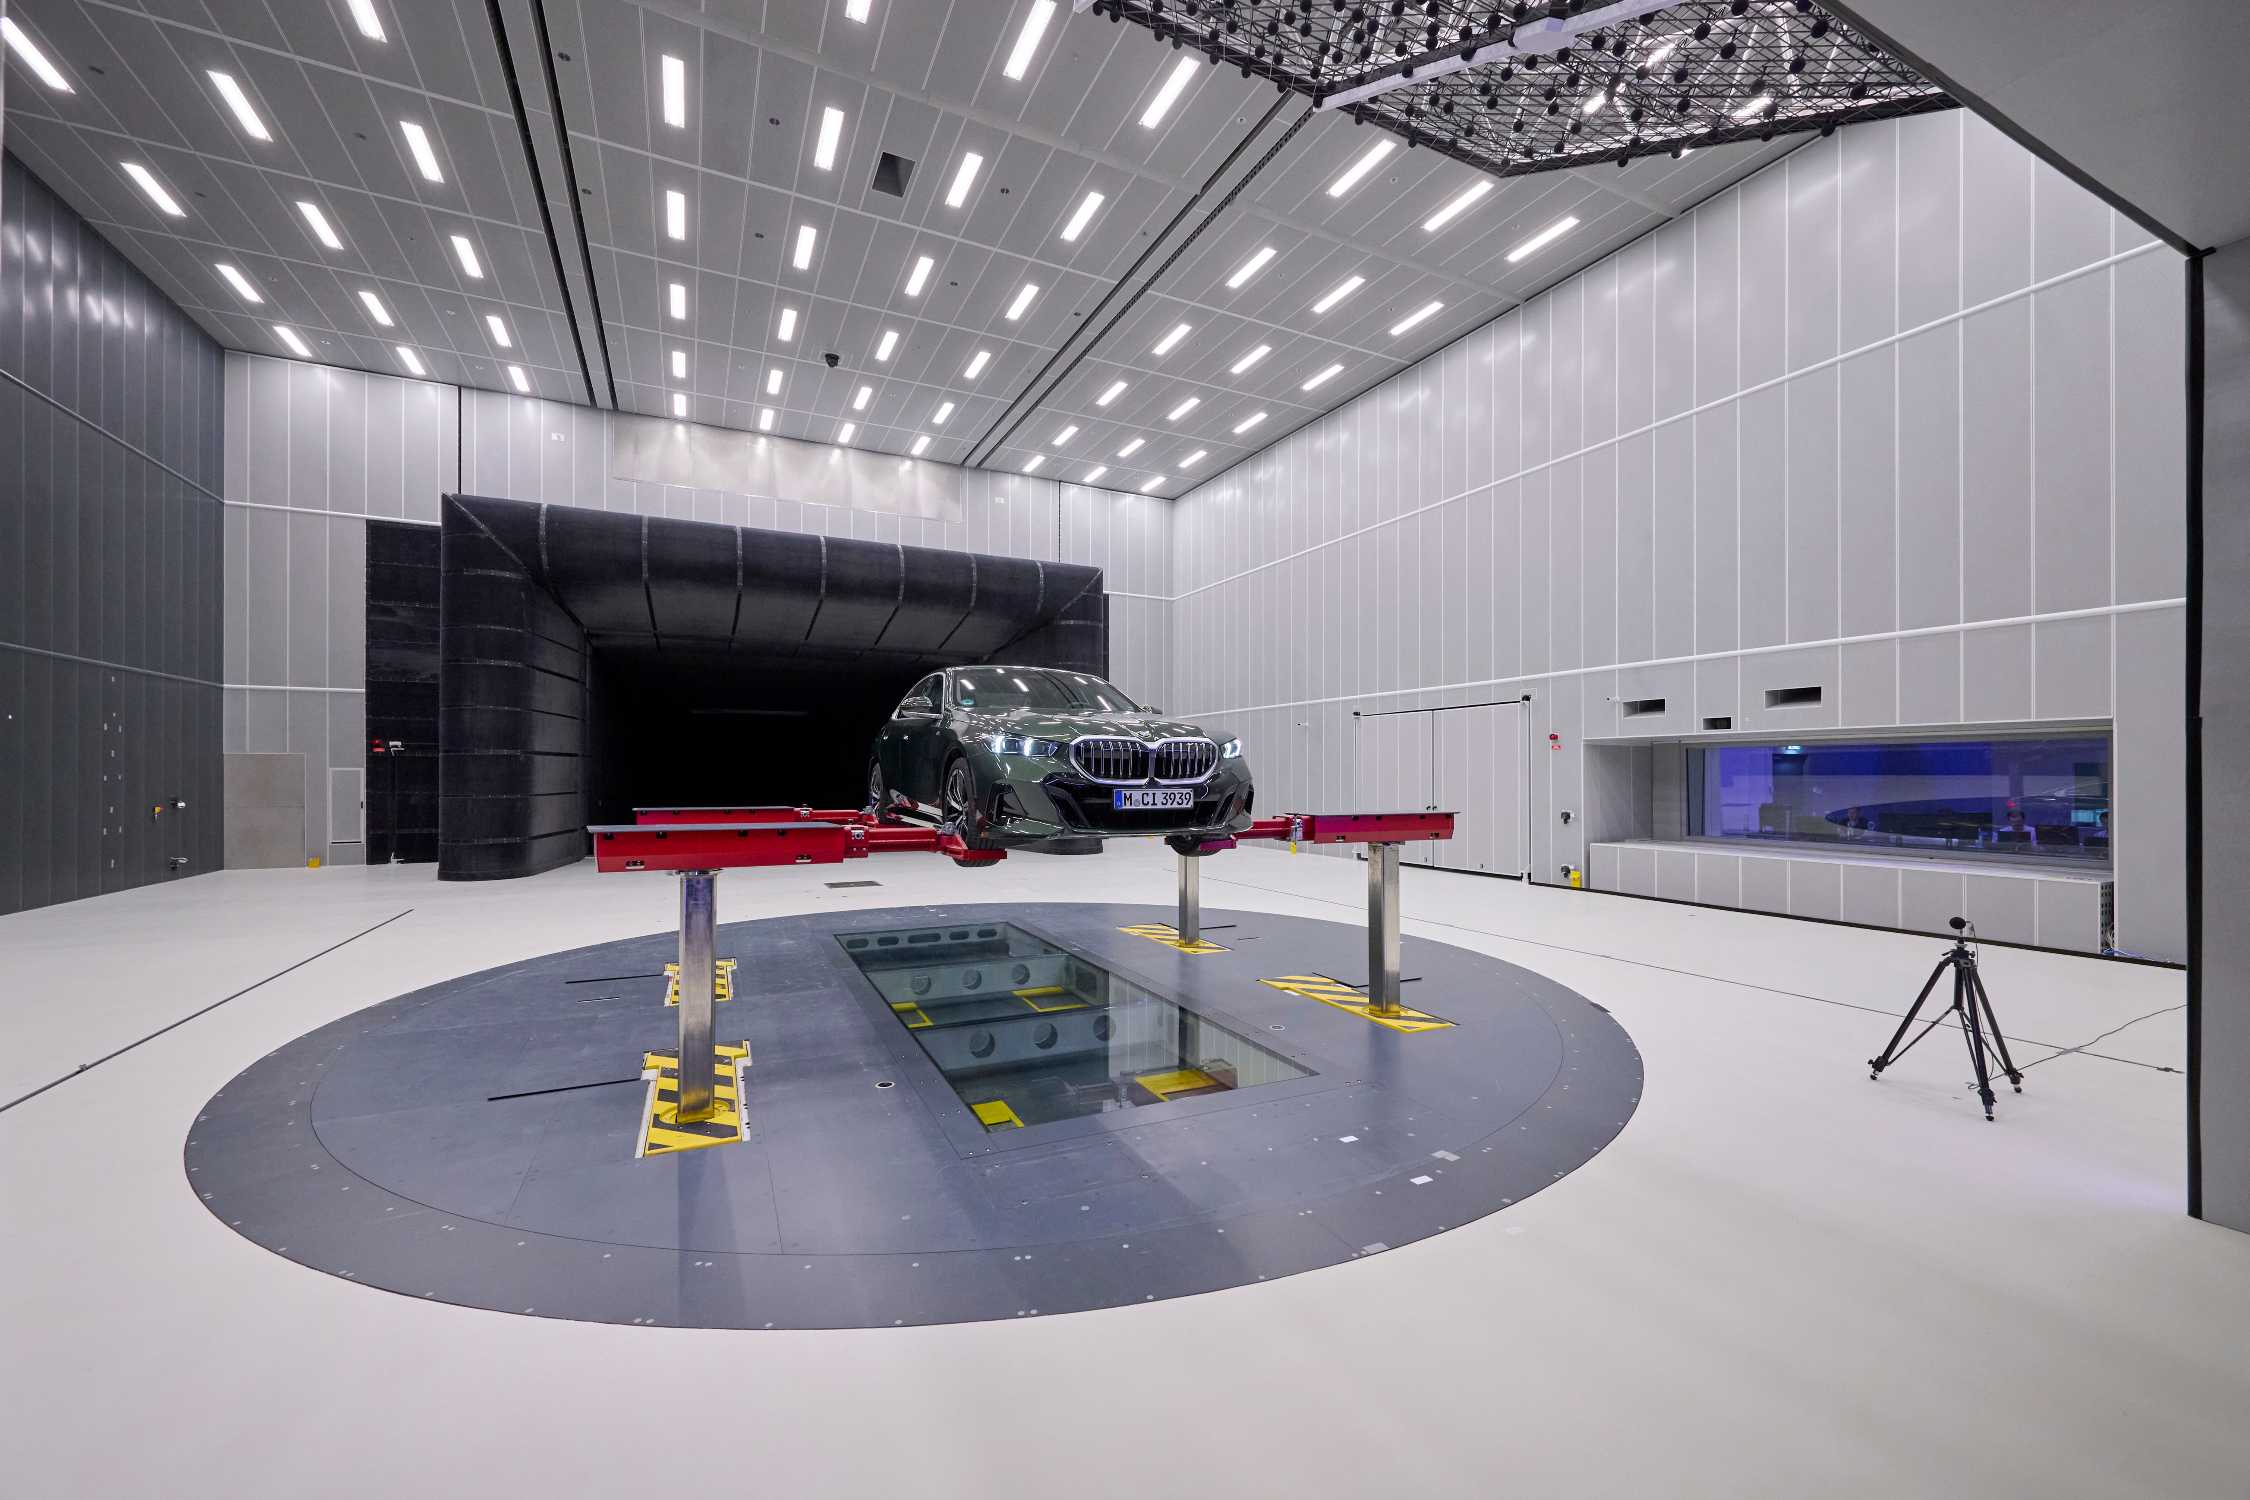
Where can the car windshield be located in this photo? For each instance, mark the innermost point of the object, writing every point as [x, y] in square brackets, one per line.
[1024, 687]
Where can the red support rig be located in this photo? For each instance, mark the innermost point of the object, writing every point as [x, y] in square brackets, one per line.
[1342, 828]
[734, 838]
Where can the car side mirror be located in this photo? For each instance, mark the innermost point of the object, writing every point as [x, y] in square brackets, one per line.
[1152, 708]
[917, 706]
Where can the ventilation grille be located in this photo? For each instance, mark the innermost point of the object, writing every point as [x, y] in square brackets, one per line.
[1793, 697]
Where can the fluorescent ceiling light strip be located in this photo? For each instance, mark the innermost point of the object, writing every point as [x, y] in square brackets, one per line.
[1132, 448]
[831, 136]
[886, 346]
[675, 213]
[1425, 311]
[786, 328]
[318, 223]
[1248, 422]
[1195, 458]
[847, 432]
[1017, 308]
[289, 337]
[773, 381]
[675, 90]
[1243, 364]
[921, 445]
[465, 251]
[146, 180]
[679, 403]
[244, 115]
[765, 419]
[1027, 40]
[1459, 206]
[240, 283]
[418, 146]
[1594, 102]
[1367, 163]
[1063, 437]
[375, 307]
[1322, 378]
[1661, 53]
[807, 236]
[411, 360]
[1339, 292]
[862, 396]
[977, 362]
[1250, 268]
[964, 178]
[1081, 216]
[499, 330]
[370, 24]
[679, 364]
[675, 296]
[1155, 483]
[33, 58]
[1169, 94]
[518, 379]
[1747, 110]
[938, 417]
[919, 277]
[856, 10]
[1170, 341]
[1094, 474]
[1543, 238]
[1031, 464]
[1177, 412]
[1116, 389]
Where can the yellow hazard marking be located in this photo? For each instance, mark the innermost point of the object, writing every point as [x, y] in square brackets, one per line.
[664, 1131]
[1177, 1081]
[1169, 936]
[912, 1014]
[1342, 996]
[722, 981]
[995, 1113]
[1035, 997]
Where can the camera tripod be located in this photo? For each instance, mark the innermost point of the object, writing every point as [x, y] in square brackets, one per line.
[1974, 1008]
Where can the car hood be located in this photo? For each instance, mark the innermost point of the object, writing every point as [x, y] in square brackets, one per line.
[1047, 724]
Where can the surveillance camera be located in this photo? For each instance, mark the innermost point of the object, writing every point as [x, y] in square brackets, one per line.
[832, 360]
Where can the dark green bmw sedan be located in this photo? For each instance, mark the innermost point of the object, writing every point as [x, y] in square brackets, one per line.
[1042, 758]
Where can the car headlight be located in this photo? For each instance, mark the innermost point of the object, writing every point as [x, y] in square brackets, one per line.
[1231, 750]
[1016, 744]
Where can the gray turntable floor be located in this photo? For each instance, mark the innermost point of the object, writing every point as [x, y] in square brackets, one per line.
[1780, 1280]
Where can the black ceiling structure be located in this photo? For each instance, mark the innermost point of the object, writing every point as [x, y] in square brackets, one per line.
[1518, 88]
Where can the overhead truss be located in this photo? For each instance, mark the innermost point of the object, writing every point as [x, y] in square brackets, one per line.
[1516, 88]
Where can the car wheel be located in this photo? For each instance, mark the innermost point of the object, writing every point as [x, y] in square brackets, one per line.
[878, 795]
[958, 793]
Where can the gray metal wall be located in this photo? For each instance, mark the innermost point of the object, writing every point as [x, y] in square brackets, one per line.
[109, 553]
[312, 452]
[1902, 416]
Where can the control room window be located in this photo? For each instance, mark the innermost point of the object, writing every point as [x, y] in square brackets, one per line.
[2016, 798]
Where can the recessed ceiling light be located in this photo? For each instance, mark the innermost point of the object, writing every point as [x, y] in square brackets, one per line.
[831, 136]
[499, 331]
[964, 178]
[1153, 484]
[1459, 206]
[418, 146]
[1031, 464]
[318, 223]
[675, 213]
[679, 364]
[1322, 378]
[862, 396]
[518, 379]
[675, 90]
[239, 102]
[886, 346]
[856, 10]
[1116, 389]
[1094, 474]
[919, 277]
[806, 236]
[773, 381]
[786, 328]
[765, 419]
[370, 24]
[675, 297]
[1250, 268]
[847, 432]
[146, 181]
[1166, 96]
[1195, 458]
[1024, 294]
[411, 360]
[977, 362]
[466, 253]
[1248, 422]
[1170, 341]
[1242, 365]
[1339, 292]
[288, 336]
[1027, 40]
[921, 444]
[1177, 412]
[1426, 310]
[240, 283]
[1747, 110]
[1062, 438]
[679, 403]
[1367, 162]
[33, 58]
[375, 307]
[937, 418]
[1132, 448]
[1082, 215]
[1543, 238]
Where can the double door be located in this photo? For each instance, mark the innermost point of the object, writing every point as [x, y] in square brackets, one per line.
[1469, 761]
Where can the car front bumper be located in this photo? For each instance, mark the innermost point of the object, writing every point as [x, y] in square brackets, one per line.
[1042, 803]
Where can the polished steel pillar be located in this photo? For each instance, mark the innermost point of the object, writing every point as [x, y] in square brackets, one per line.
[1382, 929]
[699, 891]
[1190, 924]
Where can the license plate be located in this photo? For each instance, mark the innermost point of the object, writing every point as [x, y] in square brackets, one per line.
[1166, 798]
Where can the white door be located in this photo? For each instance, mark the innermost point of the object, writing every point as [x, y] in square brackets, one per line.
[1397, 772]
[1481, 754]
[347, 805]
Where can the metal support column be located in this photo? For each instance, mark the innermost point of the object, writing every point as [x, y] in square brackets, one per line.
[1190, 924]
[1382, 929]
[699, 891]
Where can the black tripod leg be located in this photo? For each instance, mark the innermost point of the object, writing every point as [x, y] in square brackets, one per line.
[1999, 1042]
[1893, 1051]
[1972, 1032]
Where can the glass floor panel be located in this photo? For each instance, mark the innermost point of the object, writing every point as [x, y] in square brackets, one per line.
[1028, 1033]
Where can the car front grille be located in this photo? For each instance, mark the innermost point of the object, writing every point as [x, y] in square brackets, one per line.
[1113, 760]
[1186, 760]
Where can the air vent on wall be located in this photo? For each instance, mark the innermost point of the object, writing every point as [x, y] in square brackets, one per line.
[1796, 697]
[1723, 721]
[1637, 708]
[892, 174]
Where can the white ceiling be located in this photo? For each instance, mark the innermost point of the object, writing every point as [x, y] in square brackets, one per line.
[1234, 167]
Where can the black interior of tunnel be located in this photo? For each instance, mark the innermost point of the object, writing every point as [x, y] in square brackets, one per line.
[590, 662]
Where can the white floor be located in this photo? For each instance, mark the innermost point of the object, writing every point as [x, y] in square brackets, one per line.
[1781, 1280]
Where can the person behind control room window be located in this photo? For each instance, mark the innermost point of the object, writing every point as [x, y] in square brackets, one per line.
[2015, 831]
[1855, 824]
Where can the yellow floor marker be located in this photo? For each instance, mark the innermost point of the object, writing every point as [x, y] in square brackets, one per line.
[912, 1014]
[1043, 999]
[1344, 998]
[1178, 1081]
[1165, 933]
[722, 981]
[664, 1131]
[995, 1113]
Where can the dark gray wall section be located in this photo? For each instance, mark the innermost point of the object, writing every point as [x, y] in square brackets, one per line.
[402, 691]
[110, 432]
[2219, 1041]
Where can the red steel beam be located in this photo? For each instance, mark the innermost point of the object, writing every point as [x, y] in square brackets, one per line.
[740, 846]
